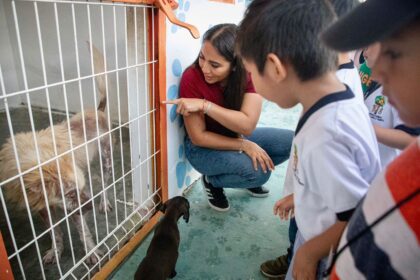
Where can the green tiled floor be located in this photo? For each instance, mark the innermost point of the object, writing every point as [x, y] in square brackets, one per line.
[229, 245]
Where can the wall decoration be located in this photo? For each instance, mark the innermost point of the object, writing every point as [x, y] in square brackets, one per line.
[224, 1]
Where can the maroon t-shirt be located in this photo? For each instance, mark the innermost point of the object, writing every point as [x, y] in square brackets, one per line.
[193, 85]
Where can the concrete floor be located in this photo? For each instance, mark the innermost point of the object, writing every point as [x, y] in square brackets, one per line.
[229, 245]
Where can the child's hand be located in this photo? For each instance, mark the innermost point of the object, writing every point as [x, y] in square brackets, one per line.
[284, 207]
[305, 264]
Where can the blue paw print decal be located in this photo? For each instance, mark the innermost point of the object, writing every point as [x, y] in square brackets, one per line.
[183, 7]
[183, 167]
[177, 68]
[173, 92]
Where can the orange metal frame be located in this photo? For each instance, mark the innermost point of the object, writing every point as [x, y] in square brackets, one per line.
[167, 6]
[160, 81]
[5, 269]
[225, 1]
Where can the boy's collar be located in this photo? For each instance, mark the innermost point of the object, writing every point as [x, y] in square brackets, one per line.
[348, 65]
[324, 101]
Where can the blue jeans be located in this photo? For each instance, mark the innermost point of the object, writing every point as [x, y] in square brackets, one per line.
[293, 229]
[231, 169]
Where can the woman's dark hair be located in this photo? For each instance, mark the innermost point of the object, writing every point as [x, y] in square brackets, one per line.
[222, 37]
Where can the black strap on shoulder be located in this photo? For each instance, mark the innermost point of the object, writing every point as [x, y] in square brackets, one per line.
[345, 216]
[371, 89]
[415, 131]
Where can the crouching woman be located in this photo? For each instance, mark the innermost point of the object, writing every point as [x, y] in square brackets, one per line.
[221, 110]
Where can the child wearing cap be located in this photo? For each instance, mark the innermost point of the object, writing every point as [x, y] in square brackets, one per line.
[385, 228]
[392, 134]
[334, 153]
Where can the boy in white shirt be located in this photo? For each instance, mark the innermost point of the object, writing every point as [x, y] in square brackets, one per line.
[348, 74]
[334, 153]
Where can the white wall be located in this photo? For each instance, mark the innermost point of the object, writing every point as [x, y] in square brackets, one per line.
[7, 55]
[182, 50]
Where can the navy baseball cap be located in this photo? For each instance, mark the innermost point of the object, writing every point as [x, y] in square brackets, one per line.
[371, 21]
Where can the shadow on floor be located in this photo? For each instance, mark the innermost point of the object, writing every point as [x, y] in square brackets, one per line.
[229, 245]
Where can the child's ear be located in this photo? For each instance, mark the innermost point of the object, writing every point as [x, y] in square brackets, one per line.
[275, 67]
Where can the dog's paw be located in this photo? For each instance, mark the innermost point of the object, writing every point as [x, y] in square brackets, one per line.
[99, 252]
[49, 257]
[94, 257]
[105, 206]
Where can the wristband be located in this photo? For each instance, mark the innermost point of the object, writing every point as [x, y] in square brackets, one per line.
[208, 107]
[204, 103]
[242, 145]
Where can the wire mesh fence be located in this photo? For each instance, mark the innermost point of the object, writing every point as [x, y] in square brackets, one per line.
[78, 147]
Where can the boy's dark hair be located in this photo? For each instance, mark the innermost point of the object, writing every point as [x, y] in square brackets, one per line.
[290, 30]
[223, 37]
[342, 7]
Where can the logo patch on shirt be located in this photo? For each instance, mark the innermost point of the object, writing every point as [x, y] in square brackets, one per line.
[366, 80]
[378, 108]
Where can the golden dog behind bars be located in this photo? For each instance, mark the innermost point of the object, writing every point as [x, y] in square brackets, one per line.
[72, 184]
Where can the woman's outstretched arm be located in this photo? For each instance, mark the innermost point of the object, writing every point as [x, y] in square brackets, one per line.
[242, 122]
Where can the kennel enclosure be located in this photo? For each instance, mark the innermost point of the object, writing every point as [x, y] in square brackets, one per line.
[47, 75]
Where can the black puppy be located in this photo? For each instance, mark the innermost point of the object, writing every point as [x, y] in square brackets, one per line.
[161, 257]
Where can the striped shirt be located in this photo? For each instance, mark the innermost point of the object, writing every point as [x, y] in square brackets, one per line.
[390, 249]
